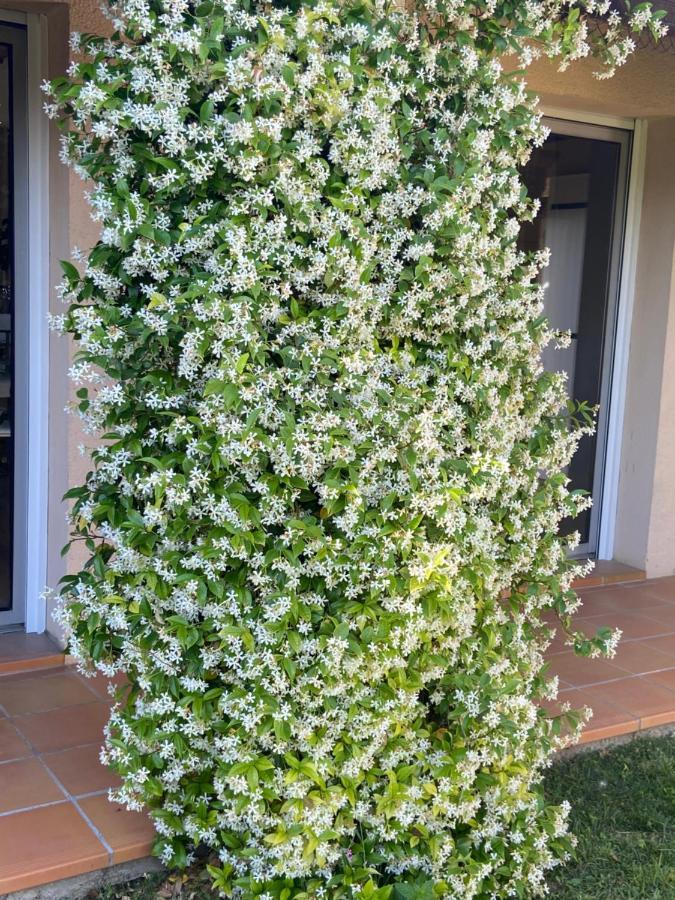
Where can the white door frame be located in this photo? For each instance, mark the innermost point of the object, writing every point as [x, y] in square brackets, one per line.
[624, 313]
[31, 348]
[37, 484]
[636, 179]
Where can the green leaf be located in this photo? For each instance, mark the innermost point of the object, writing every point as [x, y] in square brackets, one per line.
[69, 270]
[418, 890]
[206, 111]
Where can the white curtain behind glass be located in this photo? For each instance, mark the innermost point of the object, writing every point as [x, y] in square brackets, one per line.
[565, 235]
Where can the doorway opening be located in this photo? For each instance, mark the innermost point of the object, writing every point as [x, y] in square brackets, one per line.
[581, 175]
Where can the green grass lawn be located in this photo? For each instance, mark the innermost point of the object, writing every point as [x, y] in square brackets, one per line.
[623, 812]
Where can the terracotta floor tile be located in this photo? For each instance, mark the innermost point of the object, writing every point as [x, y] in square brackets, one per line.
[80, 771]
[12, 745]
[664, 616]
[653, 720]
[645, 612]
[665, 643]
[603, 601]
[36, 694]
[604, 712]
[30, 664]
[597, 732]
[633, 625]
[130, 834]
[665, 678]
[22, 652]
[656, 703]
[46, 844]
[585, 591]
[99, 684]
[60, 729]
[19, 645]
[58, 713]
[607, 720]
[42, 672]
[647, 594]
[588, 581]
[639, 657]
[26, 783]
[639, 697]
[620, 579]
[552, 707]
[558, 644]
[658, 587]
[580, 670]
[612, 570]
[626, 598]
[574, 696]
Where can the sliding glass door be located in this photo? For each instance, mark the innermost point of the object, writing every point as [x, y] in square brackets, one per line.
[13, 139]
[580, 174]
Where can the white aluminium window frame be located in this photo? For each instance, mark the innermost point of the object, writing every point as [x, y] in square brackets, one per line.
[636, 178]
[37, 484]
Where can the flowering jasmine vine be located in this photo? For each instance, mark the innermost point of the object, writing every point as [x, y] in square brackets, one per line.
[322, 512]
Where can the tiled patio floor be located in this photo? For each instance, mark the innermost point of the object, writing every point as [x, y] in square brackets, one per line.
[56, 820]
[635, 689]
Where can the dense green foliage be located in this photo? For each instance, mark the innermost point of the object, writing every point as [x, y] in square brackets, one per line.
[322, 518]
[623, 812]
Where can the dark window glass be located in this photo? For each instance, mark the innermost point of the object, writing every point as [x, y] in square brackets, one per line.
[6, 326]
[576, 179]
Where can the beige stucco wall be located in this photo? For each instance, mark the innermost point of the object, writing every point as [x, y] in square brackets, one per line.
[83, 15]
[645, 532]
[660, 557]
[644, 88]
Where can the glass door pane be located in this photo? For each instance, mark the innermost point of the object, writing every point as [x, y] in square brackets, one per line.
[6, 325]
[14, 282]
[580, 176]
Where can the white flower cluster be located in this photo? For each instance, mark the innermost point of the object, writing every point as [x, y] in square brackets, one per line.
[322, 520]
